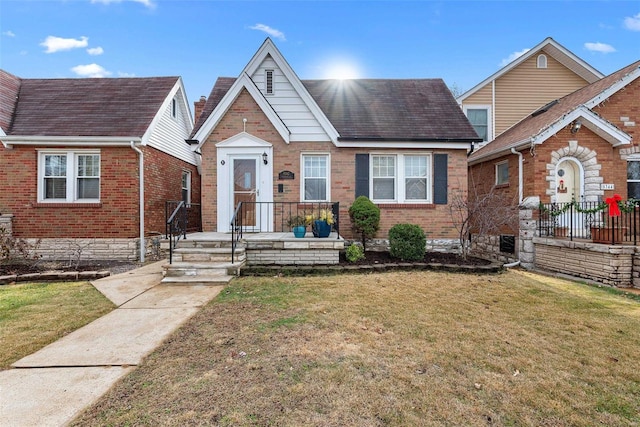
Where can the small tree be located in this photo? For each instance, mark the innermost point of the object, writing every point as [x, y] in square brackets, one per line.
[481, 215]
[365, 219]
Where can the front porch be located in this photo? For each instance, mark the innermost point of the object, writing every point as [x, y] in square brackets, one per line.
[213, 257]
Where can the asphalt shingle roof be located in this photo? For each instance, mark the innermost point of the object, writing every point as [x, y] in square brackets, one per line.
[88, 107]
[379, 109]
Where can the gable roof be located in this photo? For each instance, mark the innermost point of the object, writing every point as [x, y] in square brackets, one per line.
[550, 47]
[9, 86]
[352, 112]
[93, 107]
[549, 119]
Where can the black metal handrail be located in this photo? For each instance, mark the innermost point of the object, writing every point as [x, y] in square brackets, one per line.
[275, 216]
[184, 217]
[590, 220]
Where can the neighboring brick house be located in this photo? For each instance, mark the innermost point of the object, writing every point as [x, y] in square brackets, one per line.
[546, 72]
[78, 156]
[580, 147]
[402, 143]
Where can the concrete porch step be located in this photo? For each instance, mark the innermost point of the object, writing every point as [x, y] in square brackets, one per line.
[208, 254]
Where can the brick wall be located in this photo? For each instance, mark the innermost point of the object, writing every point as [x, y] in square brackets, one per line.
[436, 220]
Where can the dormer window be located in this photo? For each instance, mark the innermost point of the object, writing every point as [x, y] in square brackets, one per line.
[542, 61]
[268, 82]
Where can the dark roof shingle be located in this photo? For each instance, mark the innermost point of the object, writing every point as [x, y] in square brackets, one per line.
[89, 107]
[379, 109]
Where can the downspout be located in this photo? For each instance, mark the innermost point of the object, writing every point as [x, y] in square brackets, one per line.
[520, 191]
[493, 110]
[520, 179]
[141, 202]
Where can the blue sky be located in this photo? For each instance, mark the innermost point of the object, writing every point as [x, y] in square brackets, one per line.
[462, 42]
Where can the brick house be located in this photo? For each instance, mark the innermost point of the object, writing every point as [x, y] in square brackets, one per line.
[402, 143]
[582, 147]
[89, 163]
[545, 72]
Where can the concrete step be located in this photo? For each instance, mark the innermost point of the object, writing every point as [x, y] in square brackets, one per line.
[181, 269]
[208, 255]
[207, 244]
[197, 280]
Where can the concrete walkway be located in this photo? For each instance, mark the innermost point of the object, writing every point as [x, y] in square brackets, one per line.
[51, 386]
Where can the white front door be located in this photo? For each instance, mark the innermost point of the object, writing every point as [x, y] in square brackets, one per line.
[244, 176]
[568, 189]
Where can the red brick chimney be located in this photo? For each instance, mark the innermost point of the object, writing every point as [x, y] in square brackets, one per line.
[198, 107]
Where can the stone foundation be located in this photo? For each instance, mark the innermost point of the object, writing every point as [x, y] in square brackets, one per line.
[294, 252]
[432, 245]
[87, 249]
[6, 221]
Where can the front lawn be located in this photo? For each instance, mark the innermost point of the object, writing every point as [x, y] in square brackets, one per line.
[33, 315]
[397, 349]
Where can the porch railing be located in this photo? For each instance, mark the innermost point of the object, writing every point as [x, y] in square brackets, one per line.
[274, 217]
[180, 218]
[591, 221]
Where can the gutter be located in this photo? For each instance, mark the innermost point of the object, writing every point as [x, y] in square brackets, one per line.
[141, 201]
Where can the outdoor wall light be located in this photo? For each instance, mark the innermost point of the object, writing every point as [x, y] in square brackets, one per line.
[576, 126]
[265, 158]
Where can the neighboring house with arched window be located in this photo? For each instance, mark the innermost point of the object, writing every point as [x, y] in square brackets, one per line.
[546, 72]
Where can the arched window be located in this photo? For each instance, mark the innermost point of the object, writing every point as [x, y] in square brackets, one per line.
[542, 61]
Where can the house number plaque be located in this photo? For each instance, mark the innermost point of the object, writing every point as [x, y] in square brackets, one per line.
[286, 175]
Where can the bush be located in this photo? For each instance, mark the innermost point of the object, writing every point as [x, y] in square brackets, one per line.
[407, 242]
[354, 253]
[365, 219]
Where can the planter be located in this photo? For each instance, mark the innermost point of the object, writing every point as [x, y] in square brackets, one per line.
[299, 231]
[321, 229]
[604, 235]
[560, 232]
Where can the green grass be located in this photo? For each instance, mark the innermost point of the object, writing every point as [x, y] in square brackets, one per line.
[33, 315]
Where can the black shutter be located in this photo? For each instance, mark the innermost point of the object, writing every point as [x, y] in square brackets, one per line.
[440, 179]
[362, 175]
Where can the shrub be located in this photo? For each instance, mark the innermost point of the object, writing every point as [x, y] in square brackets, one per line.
[407, 242]
[365, 219]
[12, 248]
[354, 253]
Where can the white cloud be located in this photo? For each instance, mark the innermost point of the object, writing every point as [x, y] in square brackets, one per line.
[148, 3]
[123, 74]
[513, 57]
[599, 47]
[632, 22]
[90, 70]
[94, 51]
[270, 31]
[8, 33]
[57, 44]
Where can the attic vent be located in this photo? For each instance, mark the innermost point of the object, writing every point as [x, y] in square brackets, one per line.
[542, 61]
[269, 82]
[545, 108]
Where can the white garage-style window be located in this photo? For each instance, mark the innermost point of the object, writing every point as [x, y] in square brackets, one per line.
[401, 178]
[186, 187]
[315, 177]
[69, 176]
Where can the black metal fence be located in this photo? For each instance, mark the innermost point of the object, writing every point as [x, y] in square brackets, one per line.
[180, 218]
[590, 221]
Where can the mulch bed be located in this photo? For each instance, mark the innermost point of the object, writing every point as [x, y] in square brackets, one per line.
[376, 257]
[20, 268]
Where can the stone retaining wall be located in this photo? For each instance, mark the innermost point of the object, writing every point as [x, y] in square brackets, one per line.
[432, 245]
[608, 264]
[294, 252]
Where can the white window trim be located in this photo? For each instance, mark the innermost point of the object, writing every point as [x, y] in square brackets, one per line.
[400, 179]
[489, 117]
[188, 173]
[302, 179]
[72, 165]
[497, 165]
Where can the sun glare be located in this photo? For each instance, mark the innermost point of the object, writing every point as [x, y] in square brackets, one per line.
[342, 71]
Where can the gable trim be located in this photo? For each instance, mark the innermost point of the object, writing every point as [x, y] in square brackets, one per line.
[615, 87]
[165, 104]
[243, 82]
[268, 48]
[533, 51]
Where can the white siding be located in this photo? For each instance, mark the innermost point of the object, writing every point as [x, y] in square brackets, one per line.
[289, 105]
[169, 133]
